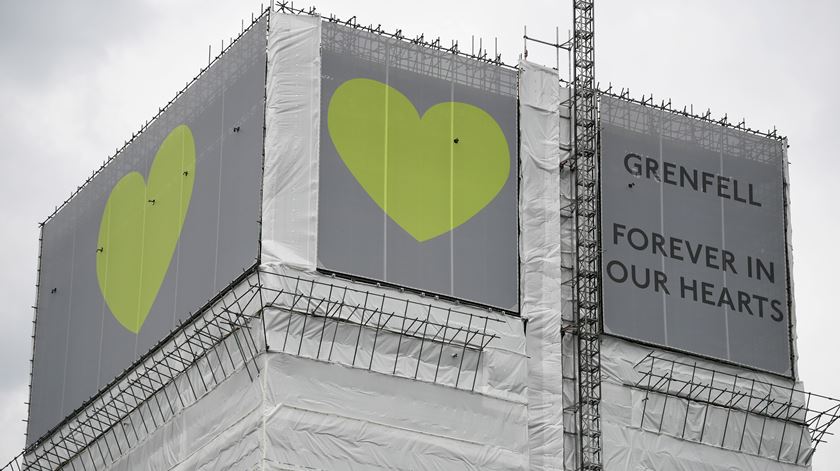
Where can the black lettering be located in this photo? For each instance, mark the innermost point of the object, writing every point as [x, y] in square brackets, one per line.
[691, 178]
[658, 243]
[708, 180]
[777, 316]
[711, 257]
[621, 277]
[735, 192]
[693, 255]
[760, 268]
[729, 261]
[684, 287]
[744, 302]
[634, 271]
[726, 298]
[706, 290]
[675, 248]
[618, 230]
[668, 172]
[652, 168]
[721, 186]
[752, 197]
[659, 280]
[644, 242]
[761, 301]
[632, 162]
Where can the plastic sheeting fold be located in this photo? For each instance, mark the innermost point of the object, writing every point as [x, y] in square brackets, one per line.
[175, 430]
[540, 254]
[290, 181]
[306, 414]
[680, 436]
[331, 417]
[499, 370]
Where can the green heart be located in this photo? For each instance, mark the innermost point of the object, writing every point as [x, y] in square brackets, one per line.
[140, 228]
[430, 174]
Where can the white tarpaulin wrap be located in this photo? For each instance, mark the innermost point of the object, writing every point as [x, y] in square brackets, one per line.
[386, 392]
[680, 436]
[330, 417]
[220, 431]
[290, 182]
[335, 399]
[387, 331]
[540, 253]
[175, 430]
[356, 376]
[304, 414]
[344, 403]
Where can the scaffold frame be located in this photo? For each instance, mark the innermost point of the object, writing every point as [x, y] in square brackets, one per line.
[806, 415]
[587, 276]
[219, 339]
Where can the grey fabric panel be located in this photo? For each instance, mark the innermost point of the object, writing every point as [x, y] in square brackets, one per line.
[219, 238]
[748, 223]
[476, 261]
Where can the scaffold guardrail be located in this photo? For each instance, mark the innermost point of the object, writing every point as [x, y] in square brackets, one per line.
[223, 337]
[739, 398]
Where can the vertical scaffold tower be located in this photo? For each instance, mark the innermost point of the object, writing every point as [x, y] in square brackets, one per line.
[587, 277]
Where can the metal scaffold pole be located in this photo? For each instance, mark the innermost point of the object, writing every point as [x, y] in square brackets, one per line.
[587, 277]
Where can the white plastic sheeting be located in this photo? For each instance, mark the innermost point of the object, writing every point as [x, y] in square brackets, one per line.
[540, 254]
[305, 414]
[290, 181]
[175, 430]
[330, 417]
[221, 430]
[368, 398]
[670, 436]
[498, 371]
[304, 411]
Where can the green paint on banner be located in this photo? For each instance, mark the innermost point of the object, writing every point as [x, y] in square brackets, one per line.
[430, 174]
[140, 229]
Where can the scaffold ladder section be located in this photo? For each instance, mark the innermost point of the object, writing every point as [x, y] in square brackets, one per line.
[587, 277]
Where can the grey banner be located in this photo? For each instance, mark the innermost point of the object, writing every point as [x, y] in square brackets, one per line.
[418, 168]
[693, 236]
[82, 341]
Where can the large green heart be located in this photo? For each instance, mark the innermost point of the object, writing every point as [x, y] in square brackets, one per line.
[430, 174]
[140, 228]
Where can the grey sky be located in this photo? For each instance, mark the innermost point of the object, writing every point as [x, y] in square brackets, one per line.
[79, 77]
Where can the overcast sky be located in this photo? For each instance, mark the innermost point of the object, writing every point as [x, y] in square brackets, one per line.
[77, 78]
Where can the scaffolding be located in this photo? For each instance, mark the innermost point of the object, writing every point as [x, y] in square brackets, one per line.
[319, 310]
[587, 284]
[228, 334]
[713, 398]
[583, 328]
[215, 342]
[374, 53]
[220, 338]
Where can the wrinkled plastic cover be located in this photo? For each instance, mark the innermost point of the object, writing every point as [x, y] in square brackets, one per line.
[631, 443]
[540, 254]
[290, 181]
[302, 412]
[499, 371]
